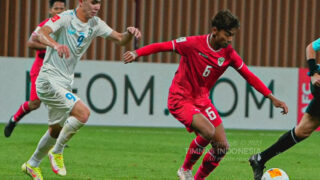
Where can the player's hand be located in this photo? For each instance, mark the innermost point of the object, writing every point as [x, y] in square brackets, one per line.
[63, 51]
[134, 31]
[35, 37]
[279, 104]
[315, 79]
[129, 56]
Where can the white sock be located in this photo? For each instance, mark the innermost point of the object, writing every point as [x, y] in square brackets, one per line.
[71, 126]
[44, 145]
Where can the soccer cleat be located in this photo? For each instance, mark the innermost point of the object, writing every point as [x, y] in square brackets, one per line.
[185, 175]
[34, 172]
[257, 167]
[9, 127]
[57, 164]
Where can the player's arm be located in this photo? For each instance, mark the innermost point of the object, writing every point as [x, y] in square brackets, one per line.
[255, 82]
[130, 56]
[123, 38]
[34, 42]
[312, 63]
[44, 38]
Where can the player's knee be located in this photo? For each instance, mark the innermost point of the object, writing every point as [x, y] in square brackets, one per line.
[84, 115]
[221, 148]
[34, 104]
[208, 134]
[54, 131]
[226, 147]
[81, 112]
[303, 133]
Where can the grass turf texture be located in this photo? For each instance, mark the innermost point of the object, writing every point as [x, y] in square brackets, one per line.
[103, 153]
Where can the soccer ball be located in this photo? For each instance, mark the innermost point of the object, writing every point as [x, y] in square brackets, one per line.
[275, 174]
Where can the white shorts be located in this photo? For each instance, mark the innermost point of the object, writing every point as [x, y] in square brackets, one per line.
[58, 97]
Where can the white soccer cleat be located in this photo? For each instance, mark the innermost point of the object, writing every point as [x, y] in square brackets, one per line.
[185, 175]
[57, 164]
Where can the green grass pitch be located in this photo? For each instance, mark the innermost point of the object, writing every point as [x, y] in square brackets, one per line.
[119, 153]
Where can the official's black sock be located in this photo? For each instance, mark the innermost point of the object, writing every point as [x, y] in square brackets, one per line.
[285, 142]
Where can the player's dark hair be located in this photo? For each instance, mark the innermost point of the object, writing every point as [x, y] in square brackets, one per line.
[53, 1]
[225, 20]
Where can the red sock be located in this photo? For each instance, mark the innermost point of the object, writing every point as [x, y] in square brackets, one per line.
[195, 150]
[209, 163]
[23, 110]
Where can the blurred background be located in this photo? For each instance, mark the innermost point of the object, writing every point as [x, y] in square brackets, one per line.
[273, 33]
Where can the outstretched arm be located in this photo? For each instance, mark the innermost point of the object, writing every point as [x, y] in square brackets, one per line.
[254, 81]
[130, 56]
[124, 38]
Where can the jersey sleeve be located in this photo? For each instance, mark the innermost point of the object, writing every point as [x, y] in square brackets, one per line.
[316, 45]
[236, 61]
[58, 21]
[182, 45]
[103, 29]
[35, 32]
[252, 79]
[155, 48]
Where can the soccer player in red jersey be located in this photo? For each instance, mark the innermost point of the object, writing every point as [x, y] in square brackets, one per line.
[203, 60]
[56, 7]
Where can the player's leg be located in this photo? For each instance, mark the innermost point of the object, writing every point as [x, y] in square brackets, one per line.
[45, 144]
[191, 117]
[32, 104]
[204, 120]
[211, 160]
[31, 167]
[307, 125]
[24, 109]
[205, 131]
[78, 117]
[35, 104]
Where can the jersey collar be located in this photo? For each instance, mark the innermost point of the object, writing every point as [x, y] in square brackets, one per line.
[208, 42]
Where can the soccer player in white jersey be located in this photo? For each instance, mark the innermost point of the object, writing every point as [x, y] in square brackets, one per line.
[67, 36]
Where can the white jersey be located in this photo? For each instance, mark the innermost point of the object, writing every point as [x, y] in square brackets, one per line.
[69, 30]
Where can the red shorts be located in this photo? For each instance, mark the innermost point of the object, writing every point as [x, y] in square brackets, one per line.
[183, 110]
[34, 72]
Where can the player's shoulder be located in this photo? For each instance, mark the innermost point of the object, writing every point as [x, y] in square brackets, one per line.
[43, 22]
[229, 49]
[95, 21]
[68, 14]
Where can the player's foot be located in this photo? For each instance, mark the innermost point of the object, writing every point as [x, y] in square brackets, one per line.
[184, 175]
[57, 164]
[9, 127]
[257, 166]
[34, 172]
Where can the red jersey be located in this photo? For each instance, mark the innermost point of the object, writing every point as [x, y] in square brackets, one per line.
[200, 66]
[39, 53]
